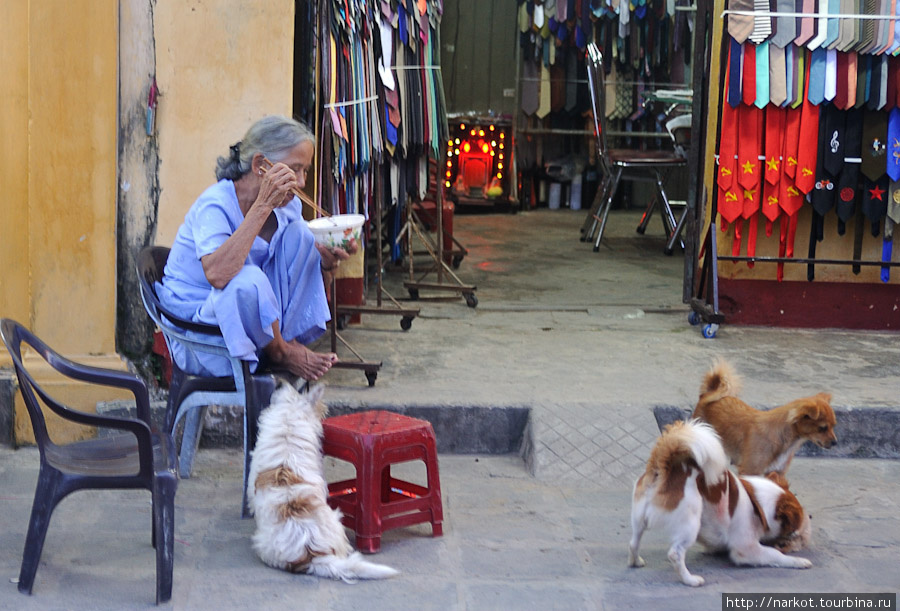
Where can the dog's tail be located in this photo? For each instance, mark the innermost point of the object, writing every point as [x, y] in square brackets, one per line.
[349, 568]
[688, 444]
[719, 382]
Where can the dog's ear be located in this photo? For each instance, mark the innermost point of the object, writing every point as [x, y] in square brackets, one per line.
[778, 478]
[789, 513]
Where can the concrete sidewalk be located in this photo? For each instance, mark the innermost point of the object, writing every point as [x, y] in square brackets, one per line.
[565, 358]
[511, 542]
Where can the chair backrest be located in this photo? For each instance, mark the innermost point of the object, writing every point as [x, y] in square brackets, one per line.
[151, 264]
[594, 61]
[14, 335]
[679, 129]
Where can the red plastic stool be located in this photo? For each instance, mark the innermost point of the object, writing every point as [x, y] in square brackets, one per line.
[373, 501]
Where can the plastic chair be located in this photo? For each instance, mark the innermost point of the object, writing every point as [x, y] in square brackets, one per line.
[189, 395]
[134, 458]
[617, 164]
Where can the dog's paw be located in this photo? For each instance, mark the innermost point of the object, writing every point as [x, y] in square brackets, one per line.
[802, 563]
[694, 581]
[635, 562]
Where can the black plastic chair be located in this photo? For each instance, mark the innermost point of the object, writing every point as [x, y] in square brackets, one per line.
[189, 395]
[135, 458]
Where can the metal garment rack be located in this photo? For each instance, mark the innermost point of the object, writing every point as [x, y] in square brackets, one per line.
[435, 250]
[703, 295]
[406, 314]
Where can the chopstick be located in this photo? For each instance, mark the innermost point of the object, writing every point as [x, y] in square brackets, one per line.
[306, 199]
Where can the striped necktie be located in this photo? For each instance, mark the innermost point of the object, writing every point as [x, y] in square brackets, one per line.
[762, 24]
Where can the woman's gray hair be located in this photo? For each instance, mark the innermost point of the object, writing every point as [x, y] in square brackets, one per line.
[273, 136]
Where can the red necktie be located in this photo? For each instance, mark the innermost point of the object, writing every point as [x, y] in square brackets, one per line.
[840, 96]
[748, 86]
[775, 117]
[805, 178]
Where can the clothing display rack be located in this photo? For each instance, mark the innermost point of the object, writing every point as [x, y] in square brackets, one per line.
[831, 77]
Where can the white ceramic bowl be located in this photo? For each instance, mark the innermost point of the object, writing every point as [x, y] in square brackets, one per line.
[337, 231]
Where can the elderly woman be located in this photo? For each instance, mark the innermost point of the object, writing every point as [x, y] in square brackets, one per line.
[245, 260]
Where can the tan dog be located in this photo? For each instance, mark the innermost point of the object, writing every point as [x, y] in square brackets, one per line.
[762, 441]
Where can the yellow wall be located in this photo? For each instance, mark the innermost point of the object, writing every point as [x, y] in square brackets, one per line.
[58, 147]
[221, 65]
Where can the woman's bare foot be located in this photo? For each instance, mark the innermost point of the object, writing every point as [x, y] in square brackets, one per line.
[299, 360]
[307, 364]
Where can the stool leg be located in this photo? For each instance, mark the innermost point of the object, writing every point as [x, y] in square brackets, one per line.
[368, 506]
[434, 488]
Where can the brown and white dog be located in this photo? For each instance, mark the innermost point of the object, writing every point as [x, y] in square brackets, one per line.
[688, 491]
[762, 441]
[296, 530]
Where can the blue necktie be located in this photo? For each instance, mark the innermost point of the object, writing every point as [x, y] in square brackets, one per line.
[762, 74]
[893, 145]
[817, 76]
[734, 74]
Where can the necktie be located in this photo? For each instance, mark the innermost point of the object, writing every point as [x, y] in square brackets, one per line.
[729, 203]
[895, 46]
[775, 117]
[821, 27]
[748, 83]
[799, 77]
[806, 155]
[822, 195]
[891, 83]
[807, 28]
[848, 189]
[762, 24]
[882, 82]
[735, 51]
[862, 80]
[789, 65]
[833, 147]
[740, 26]
[841, 95]
[852, 63]
[785, 27]
[816, 93]
[873, 83]
[762, 75]
[830, 74]
[868, 27]
[833, 29]
[893, 145]
[777, 75]
[855, 25]
[791, 143]
[874, 135]
[543, 108]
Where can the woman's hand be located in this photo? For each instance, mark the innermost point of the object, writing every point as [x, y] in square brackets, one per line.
[331, 257]
[276, 187]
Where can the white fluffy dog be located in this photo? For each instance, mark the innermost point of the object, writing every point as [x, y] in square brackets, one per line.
[296, 530]
[688, 490]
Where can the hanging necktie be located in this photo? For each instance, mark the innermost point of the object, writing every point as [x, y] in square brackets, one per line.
[848, 184]
[777, 76]
[791, 199]
[830, 158]
[762, 75]
[762, 23]
[785, 27]
[807, 26]
[841, 81]
[830, 75]
[874, 167]
[748, 82]
[749, 171]
[890, 221]
[817, 66]
[806, 155]
[729, 204]
[734, 76]
[740, 26]
[774, 120]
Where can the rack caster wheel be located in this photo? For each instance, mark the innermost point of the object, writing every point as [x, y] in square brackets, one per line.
[406, 323]
[709, 331]
[342, 321]
[371, 376]
[456, 261]
[694, 319]
[471, 299]
[414, 294]
[641, 229]
[667, 251]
